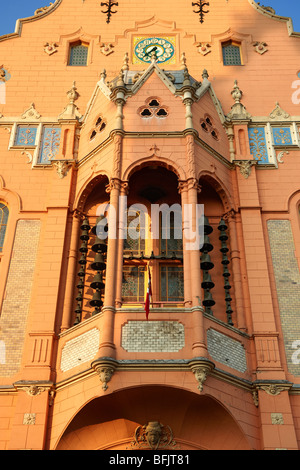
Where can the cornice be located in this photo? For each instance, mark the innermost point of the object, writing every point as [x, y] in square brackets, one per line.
[19, 23]
[261, 9]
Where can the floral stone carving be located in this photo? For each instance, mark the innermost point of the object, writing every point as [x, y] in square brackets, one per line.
[153, 435]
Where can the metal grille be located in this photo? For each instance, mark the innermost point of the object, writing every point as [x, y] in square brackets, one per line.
[231, 55]
[78, 55]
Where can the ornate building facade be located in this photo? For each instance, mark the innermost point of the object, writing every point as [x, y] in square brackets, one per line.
[110, 112]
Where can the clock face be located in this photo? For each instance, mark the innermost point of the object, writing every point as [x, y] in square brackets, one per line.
[163, 48]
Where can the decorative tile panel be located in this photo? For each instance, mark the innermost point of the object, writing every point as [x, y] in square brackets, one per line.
[153, 336]
[282, 136]
[49, 144]
[79, 350]
[258, 144]
[25, 136]
[226, 350]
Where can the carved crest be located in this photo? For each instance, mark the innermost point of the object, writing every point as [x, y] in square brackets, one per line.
[153, 435]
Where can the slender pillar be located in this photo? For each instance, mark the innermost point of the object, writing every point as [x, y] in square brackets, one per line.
[121, 228]
[183, 191]
[71, 273]
[236, 270]
[107, 346]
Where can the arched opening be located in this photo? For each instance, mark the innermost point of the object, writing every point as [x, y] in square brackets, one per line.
[218, 292]
[153, 239]
[195, 421]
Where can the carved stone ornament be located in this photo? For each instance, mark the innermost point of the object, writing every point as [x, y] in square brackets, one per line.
[277, 418]
[28, 155]
[153, 435]
[30, 113]
[260, 47]
[71, 110]
[245, 167]
[238, 110]
[106, 49]
[50, 48]
[280, 156]
[278, 113]
[4, 75]
[203, 48]
[62, 167]
[272, 389]
[34, 390]
[29, 418]
[105, 374]
[41, 10]
[201, 370]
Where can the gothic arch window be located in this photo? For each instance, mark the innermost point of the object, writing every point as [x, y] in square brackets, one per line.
[3, 223]
[231, 51]
[78, 53]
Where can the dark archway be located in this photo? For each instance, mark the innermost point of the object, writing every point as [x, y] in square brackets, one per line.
[197, 421]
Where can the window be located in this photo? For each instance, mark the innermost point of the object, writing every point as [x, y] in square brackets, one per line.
[78, 54]
[164, 254]
[3, 223]
[231, 53]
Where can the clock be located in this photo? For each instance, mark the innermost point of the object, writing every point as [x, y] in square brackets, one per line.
[162, 47]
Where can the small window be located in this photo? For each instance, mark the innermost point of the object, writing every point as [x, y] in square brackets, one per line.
[231, 53]
[3, 223]
[78, 54]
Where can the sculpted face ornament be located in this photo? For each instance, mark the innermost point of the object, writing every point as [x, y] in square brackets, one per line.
[153, 435]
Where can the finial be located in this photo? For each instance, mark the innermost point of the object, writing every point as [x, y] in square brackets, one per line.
[125, 62]
[205, 74]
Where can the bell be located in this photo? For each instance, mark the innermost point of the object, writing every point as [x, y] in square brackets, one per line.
[208, 300]
[227, 284]
[226, 273]
[223, 236]
[81, 272]
[80, 284]
[78, 308]
[99, 228]
[84, 235]
[99, 263]
[98, 282]
[225, 260]
[207, 246]
[99, 246]
[205, 262]
[224, 248]
[79, 296]
[207, 282]
[229, 310]
[85, 225]
[222, 225]
[207, 228]
[96, 300]
[228, 297]
[83, 248]
[82, 260]
[97, 310]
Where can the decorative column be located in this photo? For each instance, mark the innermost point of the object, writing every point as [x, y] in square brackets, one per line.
[230, 218]
[107, 346]
[121, 240]
[183, 191]
[71, 273]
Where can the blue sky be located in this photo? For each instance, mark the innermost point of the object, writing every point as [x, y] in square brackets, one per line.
[14, 9]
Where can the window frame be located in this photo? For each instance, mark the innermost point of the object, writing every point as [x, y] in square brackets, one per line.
[233, 43]
[74, 44]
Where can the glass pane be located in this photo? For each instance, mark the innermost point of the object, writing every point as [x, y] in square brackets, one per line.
[135, 242]
[133, 285]
[171, 235]
[78, 55]
[171, 284]
[231, 55]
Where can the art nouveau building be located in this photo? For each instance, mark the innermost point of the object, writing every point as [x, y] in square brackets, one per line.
[135, 107]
